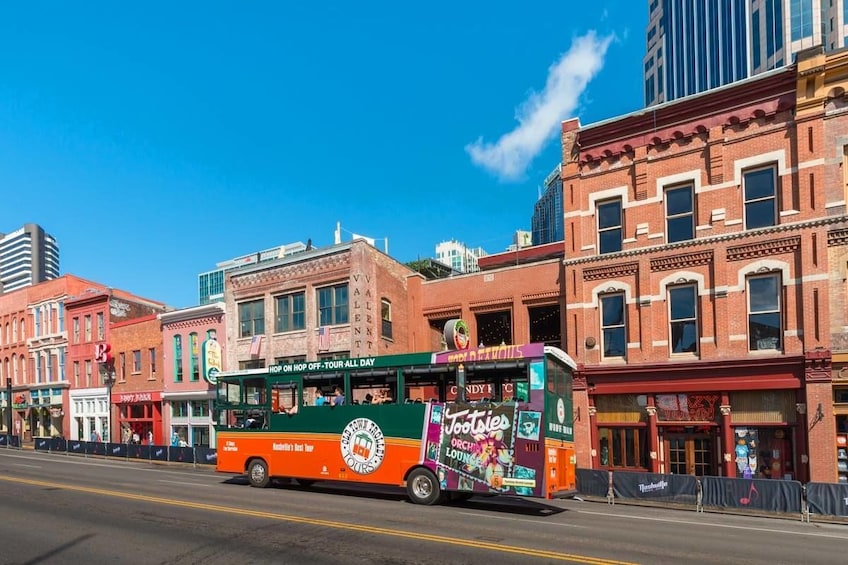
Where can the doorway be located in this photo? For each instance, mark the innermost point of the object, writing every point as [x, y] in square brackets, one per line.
[690, 454]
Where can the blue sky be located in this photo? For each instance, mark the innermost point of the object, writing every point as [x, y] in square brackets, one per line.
[155, 139]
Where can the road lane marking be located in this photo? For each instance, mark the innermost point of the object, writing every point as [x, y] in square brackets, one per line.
[707, 524]
[25, 465]
[476, 544]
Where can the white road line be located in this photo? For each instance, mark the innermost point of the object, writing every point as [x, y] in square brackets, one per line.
[183, 483]
[25, 465]
[728, 526]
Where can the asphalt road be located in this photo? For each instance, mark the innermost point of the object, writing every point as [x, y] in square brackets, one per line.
[65, 509]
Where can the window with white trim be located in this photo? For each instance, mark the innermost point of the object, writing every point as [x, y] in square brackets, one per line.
[764, 312]
[760, 189]
[613, 328]
[683, 318]
[609, 226]
[680, 213]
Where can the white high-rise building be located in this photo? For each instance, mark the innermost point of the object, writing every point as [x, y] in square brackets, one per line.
[696, 45]
[458, 256]
[28, 256]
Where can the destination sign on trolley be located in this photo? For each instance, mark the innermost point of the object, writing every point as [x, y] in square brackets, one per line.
[323, 365]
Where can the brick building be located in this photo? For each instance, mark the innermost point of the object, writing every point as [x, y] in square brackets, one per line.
[824, 81]
[33, 354]
[516, 298]
[345, 300]
[696, 277]
[90, 316]
[136, 392]
[187, 393]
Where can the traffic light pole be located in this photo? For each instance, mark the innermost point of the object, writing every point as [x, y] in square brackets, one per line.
[9, 411]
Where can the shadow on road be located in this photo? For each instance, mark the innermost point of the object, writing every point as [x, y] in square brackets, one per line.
[488, 503]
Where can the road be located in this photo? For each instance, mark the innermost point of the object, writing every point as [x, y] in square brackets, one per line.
[64, 509]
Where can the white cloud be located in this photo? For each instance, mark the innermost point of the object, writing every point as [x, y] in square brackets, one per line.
[539, 116]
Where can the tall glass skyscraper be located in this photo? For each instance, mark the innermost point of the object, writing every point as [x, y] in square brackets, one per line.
[695, 45]
[547, 224]
[28, 256]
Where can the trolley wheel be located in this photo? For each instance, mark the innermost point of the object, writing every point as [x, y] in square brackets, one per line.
[422, 487]
[257, 474]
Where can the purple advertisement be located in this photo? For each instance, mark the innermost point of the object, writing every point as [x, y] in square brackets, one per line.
[474, 447]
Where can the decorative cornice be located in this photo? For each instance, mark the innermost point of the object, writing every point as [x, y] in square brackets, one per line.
[682, 261]
[491, 303]
[443, 312]
[539, 296]
[837, 237]
[705, 241]
[764, 248]
[610, 271]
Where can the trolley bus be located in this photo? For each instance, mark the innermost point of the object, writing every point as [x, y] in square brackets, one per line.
[446, 425]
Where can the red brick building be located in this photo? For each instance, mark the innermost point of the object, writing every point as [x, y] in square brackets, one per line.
[345, 300]
[696, 277]
[89, 317]
[516, 298]
[33, 354]
[187, 392]
[137, 390]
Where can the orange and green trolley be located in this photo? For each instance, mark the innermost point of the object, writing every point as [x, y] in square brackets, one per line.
[450, 424]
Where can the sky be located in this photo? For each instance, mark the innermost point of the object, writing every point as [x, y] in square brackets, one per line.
[156, 139]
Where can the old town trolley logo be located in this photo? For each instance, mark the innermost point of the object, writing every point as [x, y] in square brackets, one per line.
[363, 446]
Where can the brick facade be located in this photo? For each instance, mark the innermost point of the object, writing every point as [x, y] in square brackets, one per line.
[671, 405]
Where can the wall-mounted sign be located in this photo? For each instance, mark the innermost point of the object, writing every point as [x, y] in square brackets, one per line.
[211, 360]
[456, 334]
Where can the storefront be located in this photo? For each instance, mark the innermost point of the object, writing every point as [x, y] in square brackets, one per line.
[46, 415]
[189, 416]
[747, 434]
[139, 416]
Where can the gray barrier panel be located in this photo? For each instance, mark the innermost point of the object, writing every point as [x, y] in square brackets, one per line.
[42, 444]
[773, 495]
[656, 487]
[592, 482]
[829, 499]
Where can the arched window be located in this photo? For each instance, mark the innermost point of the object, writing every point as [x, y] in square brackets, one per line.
[14, 330]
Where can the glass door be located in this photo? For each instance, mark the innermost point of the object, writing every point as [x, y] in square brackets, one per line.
[690, 455]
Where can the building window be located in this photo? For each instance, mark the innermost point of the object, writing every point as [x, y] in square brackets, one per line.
[38, 322]
[76, 374]
[61, 316]
[136, 361]
[764, 325]
[101, 329]
[291, 312]
[332, 305]
[49, 372]
[178, 358]
[152, 352]
[613, 326]
[76, 327]
[683, 318]
[87, 327]
[179, 409]
[88, 382]
[194, 365]
[123, 358]
[251, 318]
[199, 408]
[386, 316]
[680, 214]
[62, 363]
[625, 448]
[609, 226]
[291, 359]
[760, 188]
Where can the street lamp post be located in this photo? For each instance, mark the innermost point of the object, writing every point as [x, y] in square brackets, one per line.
[107, 370]
[8, 411]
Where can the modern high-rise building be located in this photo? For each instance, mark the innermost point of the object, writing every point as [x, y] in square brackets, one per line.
[458, 256]
[28, 256]
[210, 284]
[696, 45]
[547, 221]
